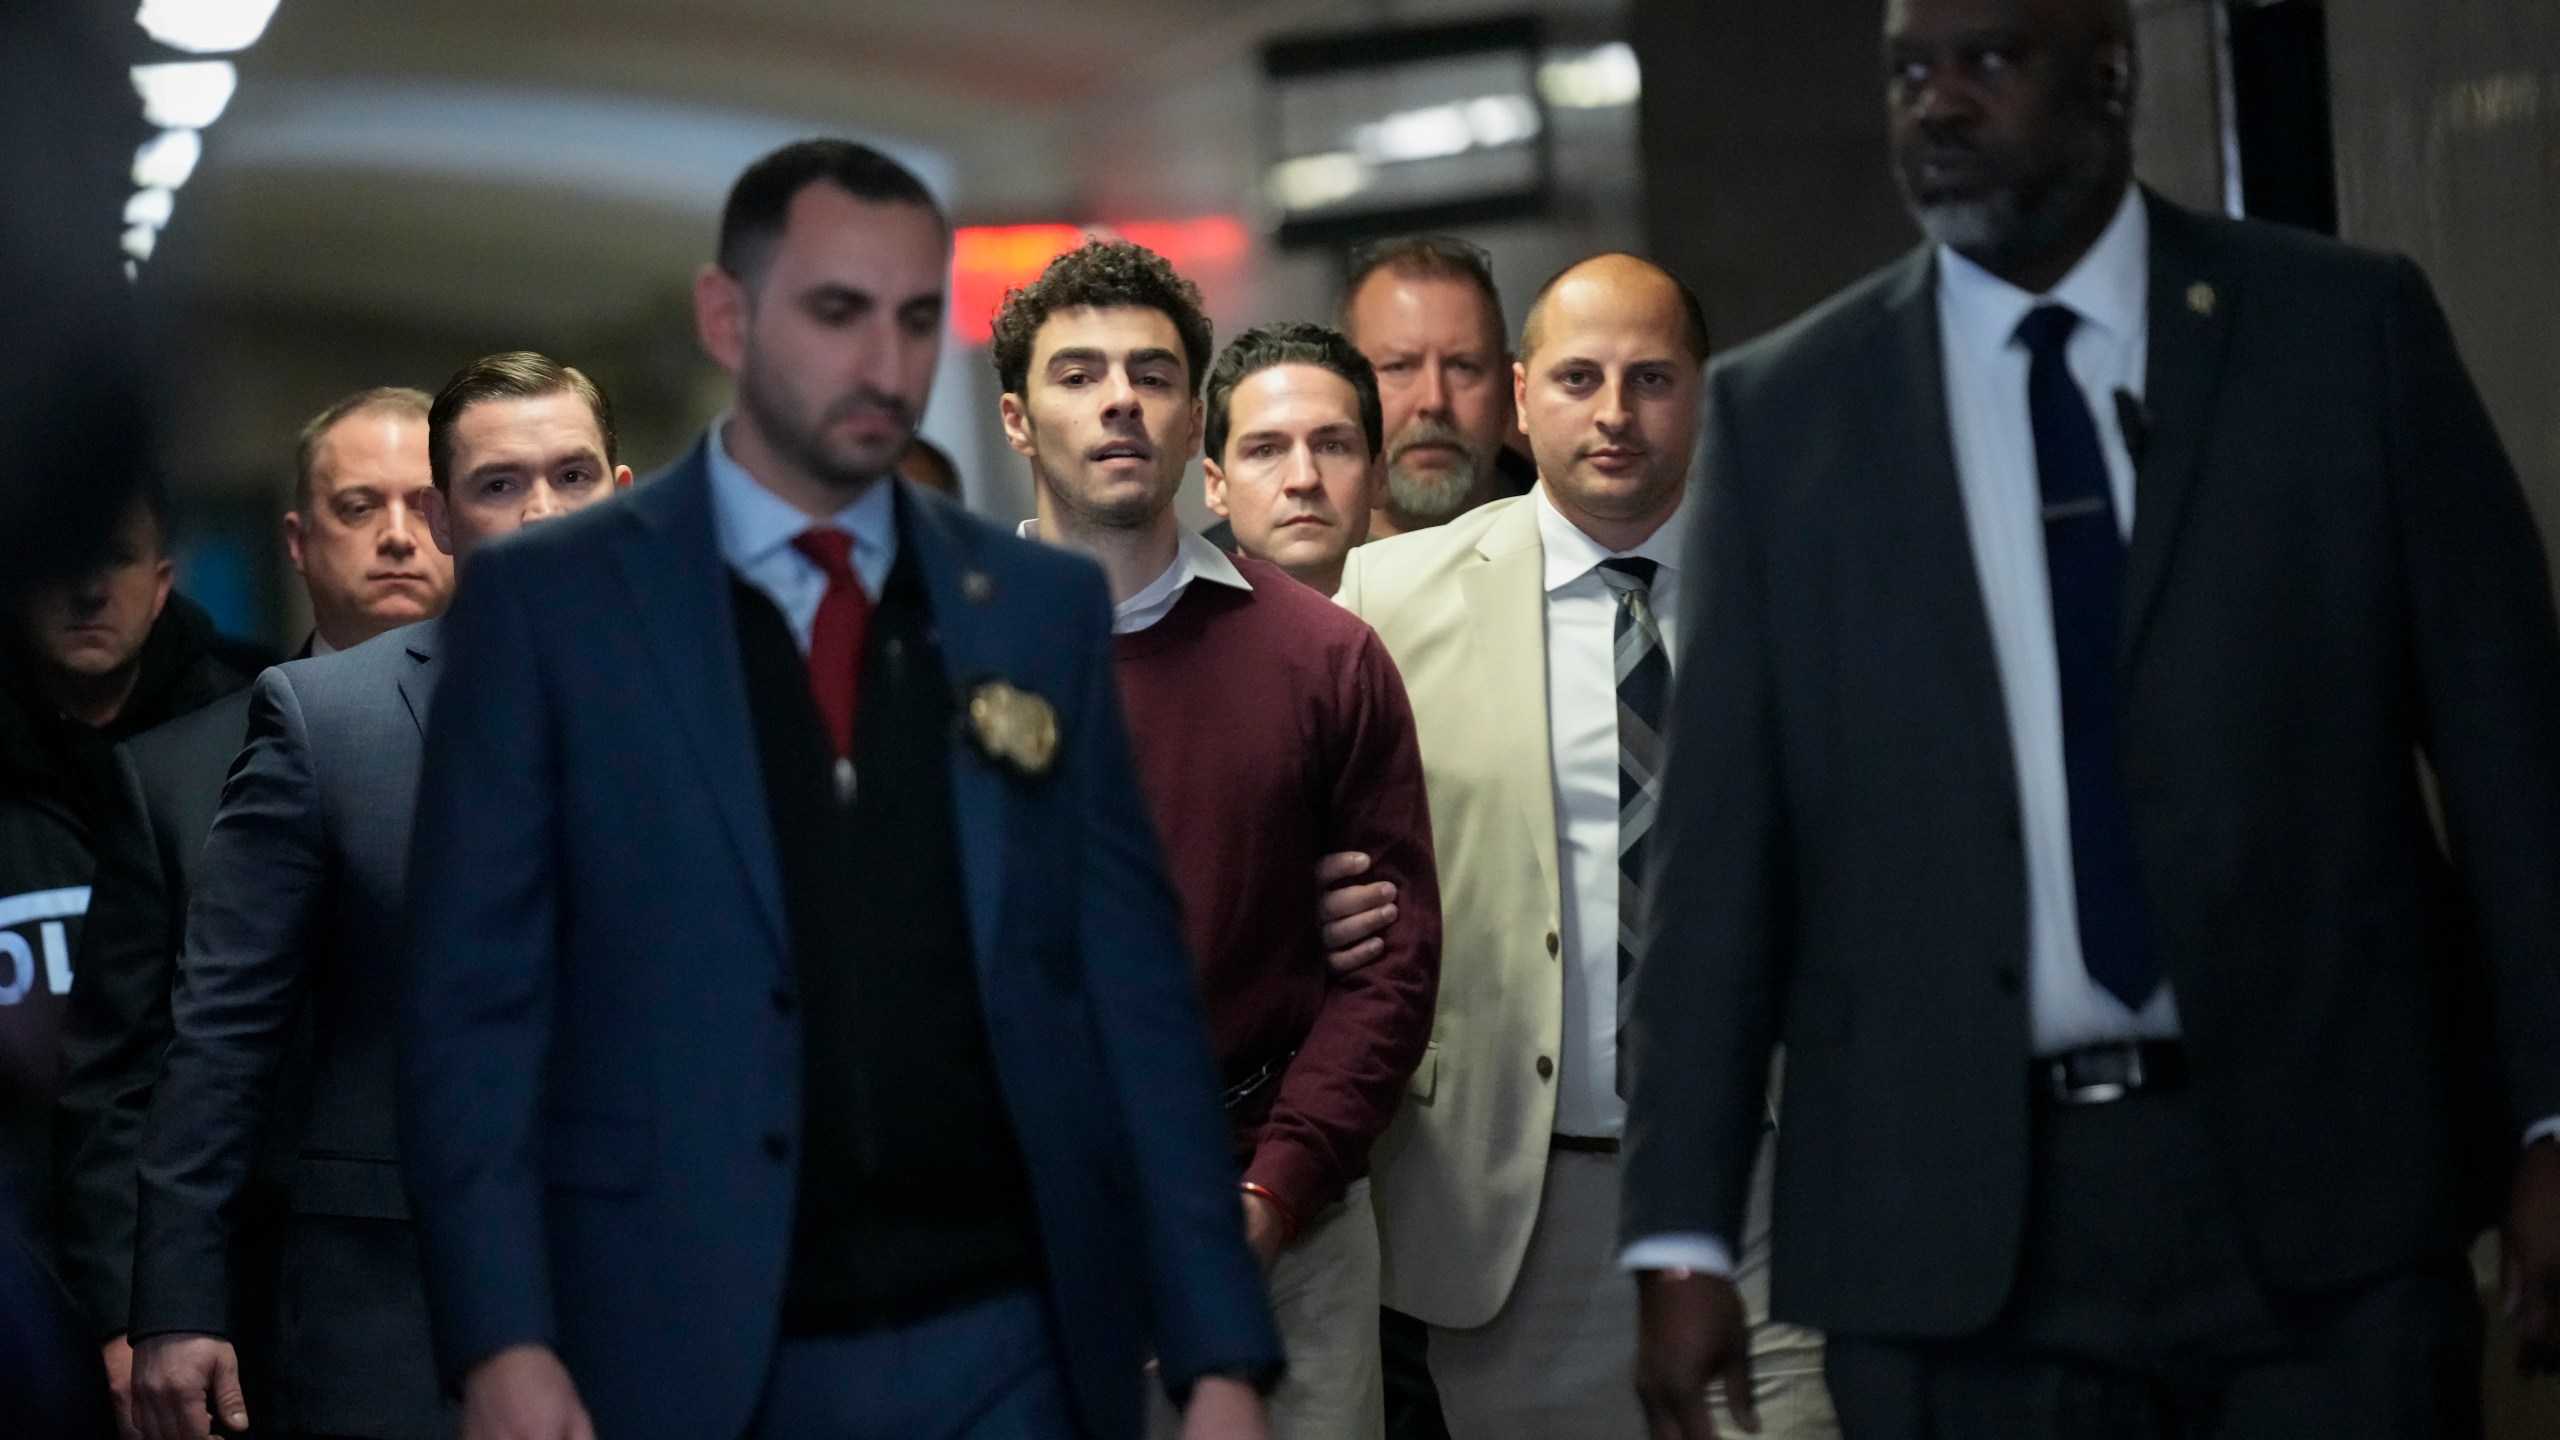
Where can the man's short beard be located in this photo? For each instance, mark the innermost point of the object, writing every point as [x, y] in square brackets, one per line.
[1134, 513]
[1421, 495]
[2022, 220]
[804, 445]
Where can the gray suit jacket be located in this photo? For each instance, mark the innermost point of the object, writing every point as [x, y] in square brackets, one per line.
[2332, 574]
[298, 891]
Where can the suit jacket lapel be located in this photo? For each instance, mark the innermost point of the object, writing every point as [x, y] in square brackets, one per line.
[1929, 523]
[1507, 608]
[418, 684]
[2191, 305]
[670, 562]
[957, 583]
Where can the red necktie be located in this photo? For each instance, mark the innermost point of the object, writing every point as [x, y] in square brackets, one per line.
[835, 641]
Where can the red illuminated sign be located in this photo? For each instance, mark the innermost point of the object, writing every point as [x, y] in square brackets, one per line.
[988, 260]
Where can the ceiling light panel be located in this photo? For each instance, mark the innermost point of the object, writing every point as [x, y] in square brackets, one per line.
[206, 27]
[185, 94]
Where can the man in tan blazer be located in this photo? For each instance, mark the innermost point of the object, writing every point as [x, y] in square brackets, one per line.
[1536, 636]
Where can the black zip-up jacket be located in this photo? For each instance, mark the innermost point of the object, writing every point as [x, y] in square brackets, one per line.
[58, 788]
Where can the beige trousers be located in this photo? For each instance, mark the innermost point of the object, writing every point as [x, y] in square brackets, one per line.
[1324, 1294]
[1558, 1362]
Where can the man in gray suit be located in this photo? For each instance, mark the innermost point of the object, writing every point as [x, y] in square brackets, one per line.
[298, 891]
[358, 537]
[2084, 603]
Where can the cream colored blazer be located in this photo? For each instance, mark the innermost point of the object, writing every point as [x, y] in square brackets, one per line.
[1456, 1179]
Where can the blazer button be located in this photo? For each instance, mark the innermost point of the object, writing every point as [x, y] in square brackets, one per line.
[2007, 980]
[1546, 1068]
[1554, 946]
[777, 1146]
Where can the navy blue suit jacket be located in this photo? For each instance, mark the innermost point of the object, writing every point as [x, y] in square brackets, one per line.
[599, 1089]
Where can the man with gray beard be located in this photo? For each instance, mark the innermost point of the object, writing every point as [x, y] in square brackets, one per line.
[2085, 604]
[1424, 310]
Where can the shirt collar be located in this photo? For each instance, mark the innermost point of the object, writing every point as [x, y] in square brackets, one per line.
[754, 523]
[2109, 289]
[1194, 558]
[1571, 554]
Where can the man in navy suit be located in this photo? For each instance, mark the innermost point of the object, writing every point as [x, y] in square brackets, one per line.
[2118, 757]
[800, 1041]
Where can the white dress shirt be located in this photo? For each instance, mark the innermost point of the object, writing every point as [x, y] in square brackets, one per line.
[1995, 454]
[1194, 558]
[1582, 733]
[756, 528]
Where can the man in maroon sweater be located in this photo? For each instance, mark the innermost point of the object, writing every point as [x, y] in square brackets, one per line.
[1271, 730]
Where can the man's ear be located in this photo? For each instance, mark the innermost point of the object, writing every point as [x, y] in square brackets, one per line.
[1214, 488]
[1199, 428]
[164, 576]
[621, 477]
[721, 308]
[440, 518]
[1017, 425]
[1519, 393]
[293, 541]
[2118, 77]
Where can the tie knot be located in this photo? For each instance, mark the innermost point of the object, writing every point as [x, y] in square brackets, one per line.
[2048, 328]
[1629, 574]
[828, 548]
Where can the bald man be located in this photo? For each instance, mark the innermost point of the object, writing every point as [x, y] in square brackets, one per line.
[1537, 639]
[2122, 763]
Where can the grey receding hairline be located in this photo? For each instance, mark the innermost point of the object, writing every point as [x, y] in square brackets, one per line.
[393, 399]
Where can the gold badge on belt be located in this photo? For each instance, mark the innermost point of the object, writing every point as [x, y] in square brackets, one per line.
[1013, 727]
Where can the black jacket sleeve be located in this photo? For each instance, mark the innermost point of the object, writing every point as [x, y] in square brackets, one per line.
[115, 1031]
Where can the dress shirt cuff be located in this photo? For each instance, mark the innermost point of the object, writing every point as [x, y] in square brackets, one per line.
[2547, 1130]
[1686, 1250]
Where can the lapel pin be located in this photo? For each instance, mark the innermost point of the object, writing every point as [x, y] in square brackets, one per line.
[2200, 298]
[1013, 727]
[977, 587]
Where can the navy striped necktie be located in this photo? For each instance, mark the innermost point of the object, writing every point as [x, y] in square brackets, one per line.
[2084, 569]
[1643, 669]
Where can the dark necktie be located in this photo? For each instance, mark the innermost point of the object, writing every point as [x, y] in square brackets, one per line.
[835, 643]
[2084, 567]
[1644, 691]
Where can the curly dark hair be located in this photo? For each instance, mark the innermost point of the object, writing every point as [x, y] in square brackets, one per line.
[1291, 342]
[1104, 274]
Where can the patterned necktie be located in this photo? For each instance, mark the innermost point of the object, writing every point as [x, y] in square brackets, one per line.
[835, 644]
[2084, 568]
[1644, 692]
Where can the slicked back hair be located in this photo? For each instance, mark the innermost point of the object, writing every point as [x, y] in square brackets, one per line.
[1693, 315]
[384, 399]
[759, 205]
[1103, 275]
[1292, 342]
[512, 375]
[1426, 257]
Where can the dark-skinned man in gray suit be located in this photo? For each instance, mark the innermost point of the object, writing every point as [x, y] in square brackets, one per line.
[2084, 601]
[298, 893]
